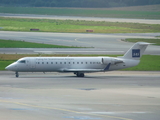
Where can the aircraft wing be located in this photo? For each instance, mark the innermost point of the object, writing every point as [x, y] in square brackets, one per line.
[86, 70]
[82, 70]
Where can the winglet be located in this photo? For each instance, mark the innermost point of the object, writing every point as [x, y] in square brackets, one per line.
[107, 67]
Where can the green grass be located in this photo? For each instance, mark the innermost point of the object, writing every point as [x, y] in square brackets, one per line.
[156, 41]
[71, 26]
[23, 44]
[4, 64]
[148, 62]
[92, 12]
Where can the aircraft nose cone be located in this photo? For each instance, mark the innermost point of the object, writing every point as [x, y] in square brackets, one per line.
[10, 67]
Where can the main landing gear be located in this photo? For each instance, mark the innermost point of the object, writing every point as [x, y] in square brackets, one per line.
[79, 74]
[17, 74]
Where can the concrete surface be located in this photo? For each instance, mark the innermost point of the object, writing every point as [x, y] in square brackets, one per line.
[117, 95]
[101, 43]
[145, 21]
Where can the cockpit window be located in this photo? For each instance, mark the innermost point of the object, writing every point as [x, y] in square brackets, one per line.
[22, 61]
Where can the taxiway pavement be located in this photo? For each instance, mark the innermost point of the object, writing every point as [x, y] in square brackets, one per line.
[127, 20]
[98, 43]
[117, 95]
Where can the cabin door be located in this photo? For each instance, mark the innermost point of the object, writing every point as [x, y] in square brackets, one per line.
[31, 63]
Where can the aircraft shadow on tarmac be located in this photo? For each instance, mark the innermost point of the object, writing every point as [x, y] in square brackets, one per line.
[75, 77]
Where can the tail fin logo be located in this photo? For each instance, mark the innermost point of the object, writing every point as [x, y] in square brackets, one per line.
[135, 52]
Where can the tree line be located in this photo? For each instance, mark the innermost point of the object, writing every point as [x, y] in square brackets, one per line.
[77, 3]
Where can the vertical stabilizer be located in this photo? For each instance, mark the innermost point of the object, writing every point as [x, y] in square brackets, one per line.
[136, 51]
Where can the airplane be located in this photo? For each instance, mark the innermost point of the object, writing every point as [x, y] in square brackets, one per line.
[79, 65]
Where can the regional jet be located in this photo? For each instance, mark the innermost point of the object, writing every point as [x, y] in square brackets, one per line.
[79, 65]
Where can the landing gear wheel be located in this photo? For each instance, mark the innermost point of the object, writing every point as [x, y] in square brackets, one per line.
[80, 74]
[17, 75]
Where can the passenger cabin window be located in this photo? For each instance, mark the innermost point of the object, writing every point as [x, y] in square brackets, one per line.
[22, 61]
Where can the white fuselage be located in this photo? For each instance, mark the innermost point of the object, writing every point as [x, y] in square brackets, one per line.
[70, 64]
[79, 65]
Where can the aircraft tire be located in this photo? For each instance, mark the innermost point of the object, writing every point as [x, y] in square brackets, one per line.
[80, 74]
[17, 75]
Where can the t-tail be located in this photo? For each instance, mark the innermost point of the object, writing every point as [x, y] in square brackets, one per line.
[136, 51]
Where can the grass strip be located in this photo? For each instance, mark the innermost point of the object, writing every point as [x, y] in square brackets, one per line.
[147, 63]
[74, 26]
[4, 64]
[23, 44]
[156, 41]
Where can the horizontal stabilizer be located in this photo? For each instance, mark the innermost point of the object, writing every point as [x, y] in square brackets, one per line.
[145, 43]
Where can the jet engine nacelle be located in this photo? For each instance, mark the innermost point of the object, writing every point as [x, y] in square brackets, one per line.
[107, 60]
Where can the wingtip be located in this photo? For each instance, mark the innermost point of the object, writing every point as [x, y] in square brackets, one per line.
[107, 67]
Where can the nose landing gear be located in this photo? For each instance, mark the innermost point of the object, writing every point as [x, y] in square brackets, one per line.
[17, 74]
